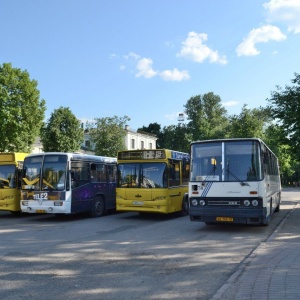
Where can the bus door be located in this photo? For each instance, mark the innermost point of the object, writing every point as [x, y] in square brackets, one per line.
[175, 189]
[103, 182]
[111, 185]
[82, 196]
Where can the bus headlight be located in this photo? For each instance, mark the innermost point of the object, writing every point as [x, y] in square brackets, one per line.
[247, 203]
[194, 202]
[254, 202]
[202, 202]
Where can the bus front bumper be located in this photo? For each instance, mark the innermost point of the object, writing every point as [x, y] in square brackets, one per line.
[228, 215]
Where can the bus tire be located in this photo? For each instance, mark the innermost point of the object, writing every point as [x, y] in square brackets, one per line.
[98, 209]
[267, 220]
[185, 207]
[277, 209]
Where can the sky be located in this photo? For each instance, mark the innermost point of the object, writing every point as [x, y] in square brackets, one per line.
[146, 58]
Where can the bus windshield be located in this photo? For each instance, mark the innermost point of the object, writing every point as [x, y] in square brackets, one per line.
[49, 174]
[226, 161]
[8, 176]
[143, 175]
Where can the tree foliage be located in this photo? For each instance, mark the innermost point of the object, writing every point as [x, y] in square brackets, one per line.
[21, 110]
[207, 117]
[108, 135]
[276, 140]
[250, 123]
[155, 129]
[285, 108]
[176, 137]
[62, 132]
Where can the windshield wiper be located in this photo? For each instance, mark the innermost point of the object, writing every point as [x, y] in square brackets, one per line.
[235, 177]
[4, 183]
[212, 172]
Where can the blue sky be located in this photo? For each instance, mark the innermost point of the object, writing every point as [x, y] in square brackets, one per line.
[147, 58]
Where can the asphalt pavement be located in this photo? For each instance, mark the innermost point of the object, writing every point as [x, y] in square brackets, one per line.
[272, 271]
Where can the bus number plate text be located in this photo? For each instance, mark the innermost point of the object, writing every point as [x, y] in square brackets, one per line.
[138, 202]
[224, 219]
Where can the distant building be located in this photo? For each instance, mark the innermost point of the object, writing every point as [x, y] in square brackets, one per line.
[37, 146]
[133, 140]
[139, 140]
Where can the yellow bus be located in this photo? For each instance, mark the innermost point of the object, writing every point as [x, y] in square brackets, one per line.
[152, 181]
[10, 173]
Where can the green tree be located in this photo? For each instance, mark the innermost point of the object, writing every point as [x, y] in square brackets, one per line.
[108, 134]
[21, 110]
[208, 118]
[176, 137]
[276, 140]
[249, 123]
[155, 129]
[285, 108]
[62, 132]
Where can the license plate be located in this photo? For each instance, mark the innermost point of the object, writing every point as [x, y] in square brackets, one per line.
[138, 202]
[224, 219]
[40, 211]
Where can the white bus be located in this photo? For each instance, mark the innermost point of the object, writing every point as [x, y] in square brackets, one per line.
[233, 181]
[65, 183]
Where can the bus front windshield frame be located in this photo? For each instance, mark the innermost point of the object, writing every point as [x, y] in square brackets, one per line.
[226, 161]
[47, 173]
[143, 175]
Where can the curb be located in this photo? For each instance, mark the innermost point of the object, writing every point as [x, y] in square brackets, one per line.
[219, 294]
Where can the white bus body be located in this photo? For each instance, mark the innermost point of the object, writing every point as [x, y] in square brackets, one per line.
[233, 181]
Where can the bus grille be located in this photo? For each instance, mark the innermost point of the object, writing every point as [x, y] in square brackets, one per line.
[224, 202]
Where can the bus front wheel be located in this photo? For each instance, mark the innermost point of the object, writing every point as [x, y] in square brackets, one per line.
[184, 207]
[98, 209]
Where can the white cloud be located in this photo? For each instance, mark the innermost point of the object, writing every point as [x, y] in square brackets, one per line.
[193, 48]
[132, 56]
[287, 11]
[144, 67]
[174, 75]
[230, 103]
[263, 34]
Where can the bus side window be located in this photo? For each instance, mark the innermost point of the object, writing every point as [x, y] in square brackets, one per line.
[93, 173]
[101, 172]
[185, 171]
[112, 173]
[174, 173]
[79, 174]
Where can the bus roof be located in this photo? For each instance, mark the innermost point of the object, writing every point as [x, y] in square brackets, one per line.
[146, 154]
[227, 140]
[79, 156]
[6, 157]
[233, 140]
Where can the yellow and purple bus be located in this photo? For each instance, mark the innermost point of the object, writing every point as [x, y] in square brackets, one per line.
[10, 170]
[66, 183]
[153, 181]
